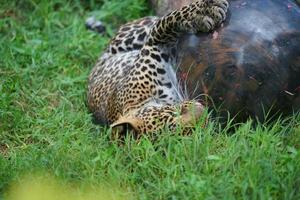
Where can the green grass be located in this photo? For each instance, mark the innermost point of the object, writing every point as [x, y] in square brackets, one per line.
[45, 57]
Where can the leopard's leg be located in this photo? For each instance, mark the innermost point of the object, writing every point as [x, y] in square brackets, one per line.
[132, 36]
[156, 58]
[151, 81]
[153, 70]
[200, 16]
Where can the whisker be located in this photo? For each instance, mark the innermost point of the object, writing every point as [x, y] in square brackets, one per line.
[195, 89]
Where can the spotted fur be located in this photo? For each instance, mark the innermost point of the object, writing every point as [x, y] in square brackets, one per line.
[134, 84]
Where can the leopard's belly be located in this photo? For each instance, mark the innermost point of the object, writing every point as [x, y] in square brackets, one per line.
[112, 72]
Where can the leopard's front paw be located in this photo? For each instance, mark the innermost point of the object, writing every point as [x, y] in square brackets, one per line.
[218, 10]
[209, 14]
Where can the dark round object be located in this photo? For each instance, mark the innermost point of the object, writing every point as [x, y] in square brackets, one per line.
[250, 66]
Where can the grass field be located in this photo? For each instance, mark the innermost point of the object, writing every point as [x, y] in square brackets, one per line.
[46, 55]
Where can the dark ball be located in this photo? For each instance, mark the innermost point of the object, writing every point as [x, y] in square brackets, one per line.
[249, 67]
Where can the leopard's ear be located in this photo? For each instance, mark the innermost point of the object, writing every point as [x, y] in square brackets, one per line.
[125, 125]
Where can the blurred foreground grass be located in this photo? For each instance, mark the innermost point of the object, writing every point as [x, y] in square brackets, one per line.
[46, 56]
[37, 187]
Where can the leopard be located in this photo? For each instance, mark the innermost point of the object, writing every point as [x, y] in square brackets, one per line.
[133, 85]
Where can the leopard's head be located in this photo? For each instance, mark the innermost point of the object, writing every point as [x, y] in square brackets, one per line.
[151, 119]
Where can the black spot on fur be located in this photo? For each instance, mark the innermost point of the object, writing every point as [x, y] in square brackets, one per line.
[144, 68]
[161, 71]
[130, 34]
[113, 51]
[130, 101]
[121, 49]
[122, 35]
[137, 46]
[150, 41]
[155, 49]
[158, 23]
[165, 57]
[164, 22]
[142, 36]
[145, 52]
[152, 66]
[168, 85]
[163, 96]
[148, 77]
[177, 14]
[156, 57]
[117, 42]
[192, 9]
[125, 28]
[129, 41]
